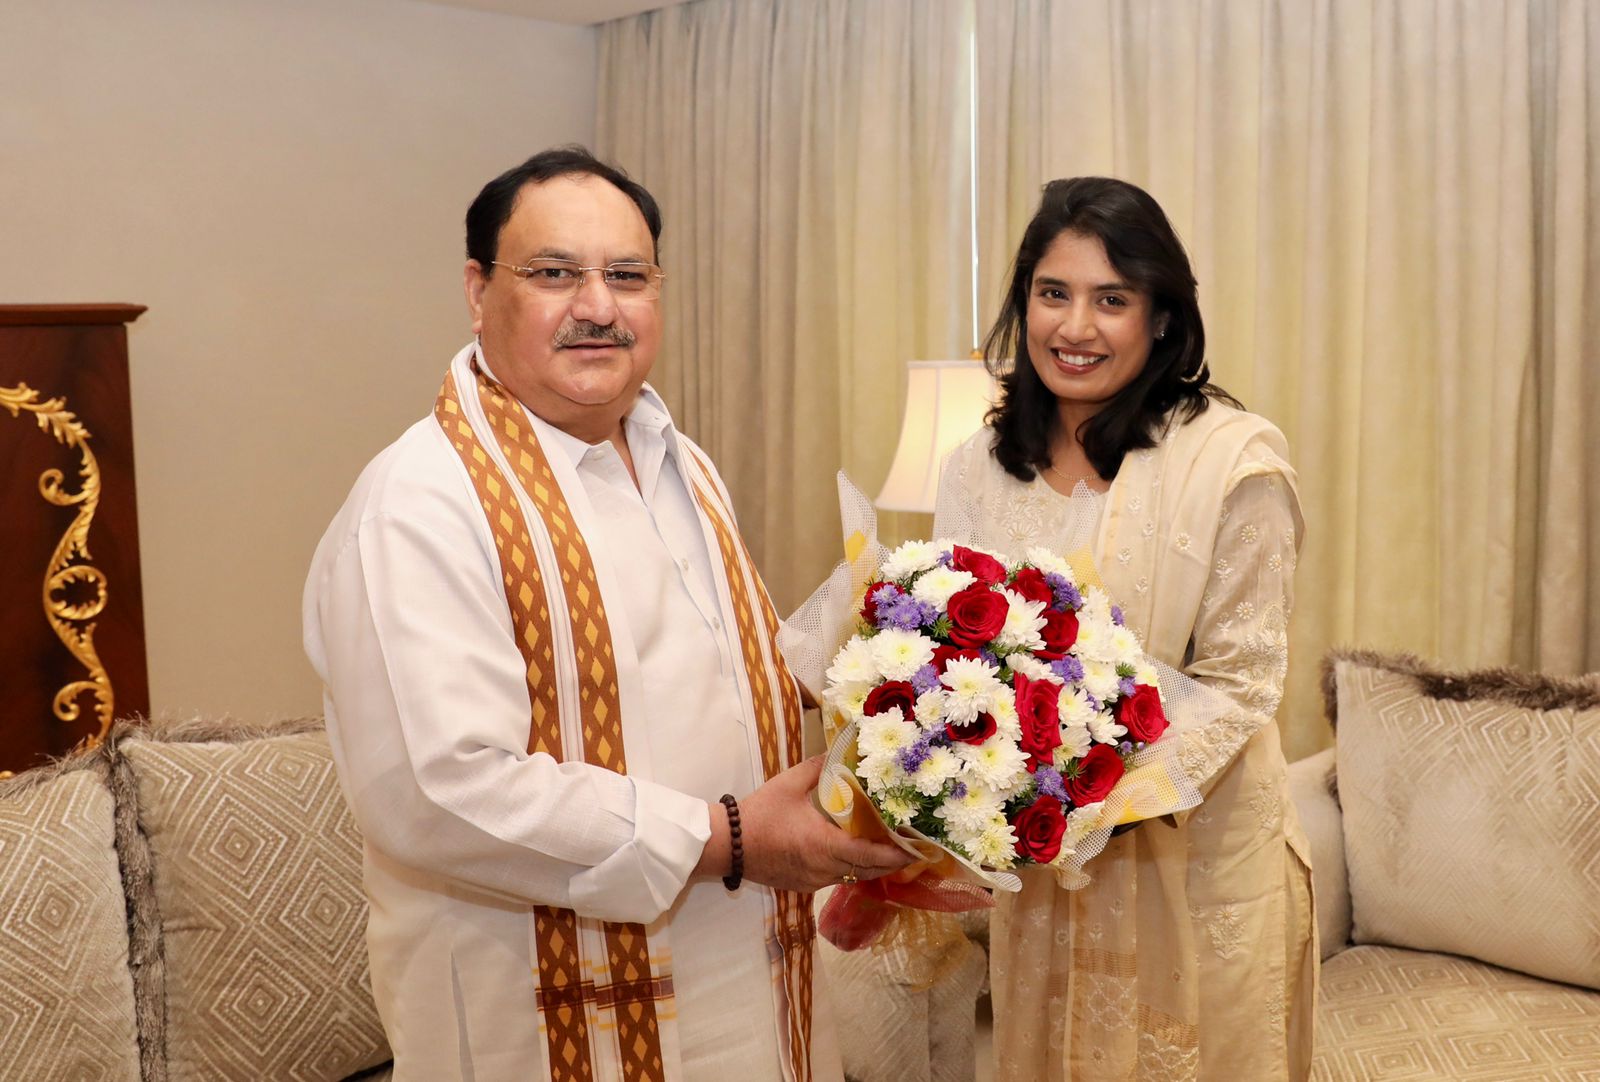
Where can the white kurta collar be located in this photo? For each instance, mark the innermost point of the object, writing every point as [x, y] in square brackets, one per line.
[651, 435]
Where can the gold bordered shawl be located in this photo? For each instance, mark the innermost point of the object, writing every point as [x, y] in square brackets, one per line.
[604, 992]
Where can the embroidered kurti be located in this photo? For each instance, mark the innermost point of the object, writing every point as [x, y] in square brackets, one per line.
[1191, 954]
[428, 712]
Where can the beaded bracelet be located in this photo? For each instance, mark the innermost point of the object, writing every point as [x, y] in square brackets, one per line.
[736, 874]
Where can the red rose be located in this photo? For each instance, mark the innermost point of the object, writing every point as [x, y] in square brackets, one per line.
[1030, 583]
[893, 693]
[1038, 709]
[976, 615]
[944, 655]
[869, 606]
[1097, 773]
[986, 569]
[1059, 633]
[1141, 712]
[1039, 829]
[974, 733]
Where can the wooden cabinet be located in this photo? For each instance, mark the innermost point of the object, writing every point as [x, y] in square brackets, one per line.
[71, 612]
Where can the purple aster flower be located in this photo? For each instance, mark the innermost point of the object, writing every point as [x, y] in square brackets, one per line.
[1049, 781]
[1116, 615]
[1125, 685]
[990, 656]
[1069, 670]
[959, 791]
[904, 612]
[1094, 704]
[925, 679]
[946, 559]
[911, 758]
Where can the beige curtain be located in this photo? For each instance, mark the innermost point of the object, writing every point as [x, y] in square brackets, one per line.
[812, 160]
[1392, 210]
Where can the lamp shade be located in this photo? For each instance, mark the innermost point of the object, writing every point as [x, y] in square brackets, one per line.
[945, 403]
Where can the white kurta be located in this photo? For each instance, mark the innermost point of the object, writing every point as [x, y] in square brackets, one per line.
[428, 713]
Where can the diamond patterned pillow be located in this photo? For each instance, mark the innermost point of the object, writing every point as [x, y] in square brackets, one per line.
[1472, 812]
[66, 997]
[256, 877]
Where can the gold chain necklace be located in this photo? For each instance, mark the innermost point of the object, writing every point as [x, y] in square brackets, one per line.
[1072, 482]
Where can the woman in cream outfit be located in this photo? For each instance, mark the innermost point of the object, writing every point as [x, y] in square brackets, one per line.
[1191, 954]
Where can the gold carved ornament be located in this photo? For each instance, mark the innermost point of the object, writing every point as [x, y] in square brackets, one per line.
[69, 568]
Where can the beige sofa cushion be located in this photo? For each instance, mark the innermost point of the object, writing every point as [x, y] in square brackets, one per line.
[1397, 1014]
[66, 998]
[1472, 813]
[257, 882]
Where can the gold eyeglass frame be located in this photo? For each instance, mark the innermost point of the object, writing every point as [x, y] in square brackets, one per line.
[651, 291]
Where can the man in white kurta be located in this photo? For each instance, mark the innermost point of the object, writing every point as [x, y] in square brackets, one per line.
[428, 699]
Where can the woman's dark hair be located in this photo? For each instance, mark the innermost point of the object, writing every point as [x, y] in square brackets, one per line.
[1145, 251]
[492, 209]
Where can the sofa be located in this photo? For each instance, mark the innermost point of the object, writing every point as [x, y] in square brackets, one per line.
[1455, 837]
[184, 902]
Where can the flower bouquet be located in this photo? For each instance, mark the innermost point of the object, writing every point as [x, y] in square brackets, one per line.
[989, 703]
[983, 715]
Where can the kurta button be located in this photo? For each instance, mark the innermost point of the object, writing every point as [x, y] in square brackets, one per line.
[716, 623]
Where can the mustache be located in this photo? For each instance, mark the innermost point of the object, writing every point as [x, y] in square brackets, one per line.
[584, 331]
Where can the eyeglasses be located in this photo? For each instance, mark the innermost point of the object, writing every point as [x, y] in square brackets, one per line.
[562, 278]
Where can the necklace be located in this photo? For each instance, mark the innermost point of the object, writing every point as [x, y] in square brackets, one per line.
[1072, 482]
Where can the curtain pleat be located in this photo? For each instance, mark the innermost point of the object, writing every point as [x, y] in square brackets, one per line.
[1389, 207]
[812, 159]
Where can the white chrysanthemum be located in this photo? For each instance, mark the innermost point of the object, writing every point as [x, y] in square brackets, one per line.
[853, 666]
[939, 585]
[898, 654]
[961, 709]
[995, 847]
[1093, 641]
[1076, 740]
[972, 681]
[939, 767]
[1073, 707]
[1002, 706]
[930, 709]
[1050, 563]
[996, 763]
[1105, 730]
[1031, 667]
[1097, 604]
[1081, 820]
[1125, 645]
[1024, 622]
[970, 677]
[899, 809]
[970, 813]
[1100, 679]
[1145, 673]
[908, 559]
[886, 732]
[850, 700]
[881, 772]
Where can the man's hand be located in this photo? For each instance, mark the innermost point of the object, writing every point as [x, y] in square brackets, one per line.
[789, 844]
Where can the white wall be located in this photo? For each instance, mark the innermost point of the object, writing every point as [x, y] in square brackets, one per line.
[283, 183]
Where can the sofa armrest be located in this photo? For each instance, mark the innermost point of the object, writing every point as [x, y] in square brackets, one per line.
[1311, 788]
